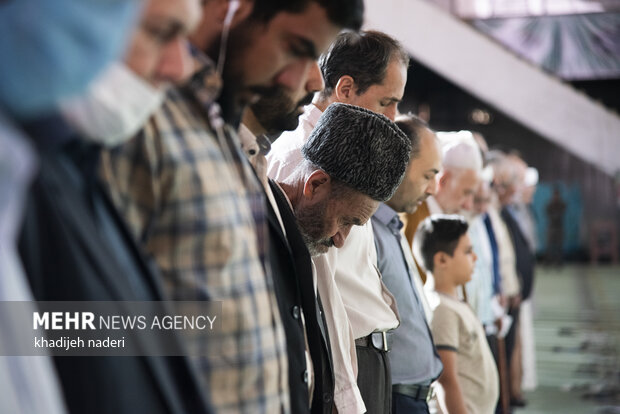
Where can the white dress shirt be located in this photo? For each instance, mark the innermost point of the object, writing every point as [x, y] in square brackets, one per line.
[347, 396]
[283, 159]
[285, 154]
[370, 305]
[480, 287]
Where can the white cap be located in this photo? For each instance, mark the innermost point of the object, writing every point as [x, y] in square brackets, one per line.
[460, 150]
[531, 177]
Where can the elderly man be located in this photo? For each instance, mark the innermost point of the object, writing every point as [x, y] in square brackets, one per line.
[526, 219]
[193, 201]
[367, 69]
[482, 288]
[507, 176]
[457, 181]
[353, 160]
[525, 262]
[411, 377]
[306, 334]
[351, 163]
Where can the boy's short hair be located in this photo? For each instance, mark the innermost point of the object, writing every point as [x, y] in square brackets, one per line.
[437, 233]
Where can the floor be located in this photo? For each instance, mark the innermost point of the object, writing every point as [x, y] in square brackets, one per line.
[577, 333]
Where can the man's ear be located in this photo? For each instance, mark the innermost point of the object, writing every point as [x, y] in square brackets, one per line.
[345, 88]
[317, 185]
[444, 179]
[243, 12]
[440, 259]
[220, 10]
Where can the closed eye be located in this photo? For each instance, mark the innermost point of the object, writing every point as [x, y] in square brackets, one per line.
[303, 48]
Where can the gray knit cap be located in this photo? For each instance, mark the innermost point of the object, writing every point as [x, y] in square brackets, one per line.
[360, 148]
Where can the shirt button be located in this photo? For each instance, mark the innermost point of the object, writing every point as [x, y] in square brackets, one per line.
[305, 376]
[327, 398]
[295, 312]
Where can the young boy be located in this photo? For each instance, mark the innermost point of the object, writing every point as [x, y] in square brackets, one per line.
[469, 380]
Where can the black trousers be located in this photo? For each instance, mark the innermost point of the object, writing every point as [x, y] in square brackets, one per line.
[404, 404]
[374, 379]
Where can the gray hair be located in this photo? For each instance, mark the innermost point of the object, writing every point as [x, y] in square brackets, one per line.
[460, 151]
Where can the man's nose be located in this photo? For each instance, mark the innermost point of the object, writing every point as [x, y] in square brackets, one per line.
[390, 112]
[431, 189]
[340, 237]
[468, 203]
[175, 63]
[294, 75]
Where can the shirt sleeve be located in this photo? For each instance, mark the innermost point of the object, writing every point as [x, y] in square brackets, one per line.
[445, 328]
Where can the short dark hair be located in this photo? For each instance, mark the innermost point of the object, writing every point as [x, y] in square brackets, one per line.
[347, 14]
[364, 56]
[438, 233]
[411, 125]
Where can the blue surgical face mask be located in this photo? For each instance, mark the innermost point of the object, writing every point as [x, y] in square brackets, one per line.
[53, 49]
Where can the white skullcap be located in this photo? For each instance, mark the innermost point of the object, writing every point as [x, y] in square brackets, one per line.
[531, 177]
[460, 150]
[487, 174]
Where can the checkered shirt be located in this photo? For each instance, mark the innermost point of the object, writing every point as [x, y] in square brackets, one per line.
[194, 203]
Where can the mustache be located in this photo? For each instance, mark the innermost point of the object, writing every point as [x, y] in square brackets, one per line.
[277, 92]
[306, 100]
[266, 92]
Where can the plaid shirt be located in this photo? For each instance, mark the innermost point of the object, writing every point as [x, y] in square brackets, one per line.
[194, 202]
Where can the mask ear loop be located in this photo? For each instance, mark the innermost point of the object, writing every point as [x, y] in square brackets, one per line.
[233, 6]
[215, 117]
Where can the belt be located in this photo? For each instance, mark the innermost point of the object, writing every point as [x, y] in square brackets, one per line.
[417, 392]
[377, 340]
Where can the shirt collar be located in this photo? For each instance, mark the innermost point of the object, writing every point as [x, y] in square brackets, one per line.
[312, 114]
[389, 218]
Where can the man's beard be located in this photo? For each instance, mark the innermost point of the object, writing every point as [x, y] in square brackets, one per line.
[235, 95]
[402, 204]
[276, 112]
[413, 206]
[311, 223]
